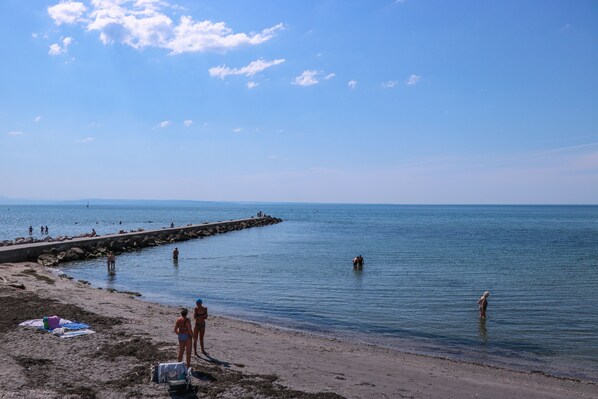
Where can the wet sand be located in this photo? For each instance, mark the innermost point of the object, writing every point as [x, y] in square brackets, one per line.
[246, 360]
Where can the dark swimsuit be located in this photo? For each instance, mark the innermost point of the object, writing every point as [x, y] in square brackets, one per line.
[198, 322]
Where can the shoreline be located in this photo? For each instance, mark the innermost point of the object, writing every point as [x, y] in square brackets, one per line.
[364, 339]
[253, 358]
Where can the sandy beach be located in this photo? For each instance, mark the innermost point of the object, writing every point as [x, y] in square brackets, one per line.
[246, 360]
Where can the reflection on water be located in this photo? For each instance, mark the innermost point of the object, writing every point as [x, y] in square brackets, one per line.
[483, 331]
[111, 280]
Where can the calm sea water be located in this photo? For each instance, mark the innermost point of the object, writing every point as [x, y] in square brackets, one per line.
[425, 268]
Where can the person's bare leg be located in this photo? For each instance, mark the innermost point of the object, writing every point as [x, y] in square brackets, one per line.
[181, 350]
[188, 347]
[195, 334]
[201, 334]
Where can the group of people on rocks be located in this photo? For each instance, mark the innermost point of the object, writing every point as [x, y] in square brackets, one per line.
[189, 335]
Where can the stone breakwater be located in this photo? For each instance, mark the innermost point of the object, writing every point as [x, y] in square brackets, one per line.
[51, 253]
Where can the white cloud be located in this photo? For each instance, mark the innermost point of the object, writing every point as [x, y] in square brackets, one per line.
[67, 12]
[188, 122]
[57, 49]
[249, 70]
[237, 130]
[15, 133]
[400, 1]
[390, 84]
[191, 36]
[307, 78]
[37, 118]
[162, 125]
[251, 85]
[142, 23]
[566, 26]
[86, 140]
[352, 84]
[330, 76]
[413, 80]
[34, 35]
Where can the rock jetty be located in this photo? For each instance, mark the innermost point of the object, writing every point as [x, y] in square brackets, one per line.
[53, 252]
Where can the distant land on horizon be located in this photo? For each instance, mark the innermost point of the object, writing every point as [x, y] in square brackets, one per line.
[165, 202]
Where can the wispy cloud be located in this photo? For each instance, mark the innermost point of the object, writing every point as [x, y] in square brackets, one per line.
[566, 26]
[307, 78]
[249, 70]
[163, 124]
[37, 118]
[330, 76]
[57, 49]
[86, 140]
[34, 35]
[188, 123]
[145, 23]
[15, 133]
[237, 130]
[251, 85]
[352, 84]
[413, 80]
[390, 84]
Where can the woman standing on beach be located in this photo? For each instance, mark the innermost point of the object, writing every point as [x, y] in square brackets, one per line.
[483, 303]
[200, 314]
[183, 329]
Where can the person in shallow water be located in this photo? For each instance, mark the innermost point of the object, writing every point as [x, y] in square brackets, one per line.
[175, 254]
[200, 314]
[358, 262]
[111, 261]
[182, 327]
[483, 303]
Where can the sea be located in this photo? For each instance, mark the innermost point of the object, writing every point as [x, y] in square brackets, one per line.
[425, 268]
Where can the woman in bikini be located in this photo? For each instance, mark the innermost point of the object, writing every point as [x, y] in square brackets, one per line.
[182, 327]
[200, 314]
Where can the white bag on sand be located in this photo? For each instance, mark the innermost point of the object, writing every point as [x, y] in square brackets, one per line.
[166, 372]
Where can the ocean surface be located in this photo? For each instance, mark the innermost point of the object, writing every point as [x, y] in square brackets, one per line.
[425, 268]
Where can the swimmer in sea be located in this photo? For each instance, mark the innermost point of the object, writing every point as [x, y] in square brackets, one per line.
[483, 303]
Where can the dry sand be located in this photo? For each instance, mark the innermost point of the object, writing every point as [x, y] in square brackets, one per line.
[248, 360]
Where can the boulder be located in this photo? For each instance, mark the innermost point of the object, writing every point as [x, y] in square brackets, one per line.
[47, 260]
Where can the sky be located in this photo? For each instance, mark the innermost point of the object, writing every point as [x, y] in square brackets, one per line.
[342, 101]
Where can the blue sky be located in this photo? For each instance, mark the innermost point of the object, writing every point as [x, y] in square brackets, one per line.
[368, 101]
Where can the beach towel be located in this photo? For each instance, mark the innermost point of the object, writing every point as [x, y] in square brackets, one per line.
[66, 328]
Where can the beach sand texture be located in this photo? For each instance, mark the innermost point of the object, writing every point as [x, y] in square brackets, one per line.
[248, 360]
